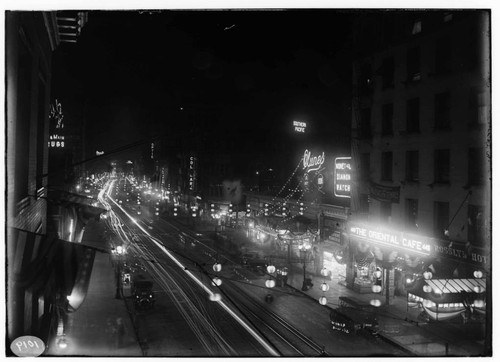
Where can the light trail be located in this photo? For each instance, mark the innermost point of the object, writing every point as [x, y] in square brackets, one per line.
[236, 317]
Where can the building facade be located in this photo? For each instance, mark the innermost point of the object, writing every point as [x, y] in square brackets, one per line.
[421, 149]
[38, 222]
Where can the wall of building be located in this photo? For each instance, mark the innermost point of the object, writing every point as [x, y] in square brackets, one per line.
[462, 134]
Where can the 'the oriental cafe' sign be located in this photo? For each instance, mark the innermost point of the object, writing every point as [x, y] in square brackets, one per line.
[342, 178]
[418, 244]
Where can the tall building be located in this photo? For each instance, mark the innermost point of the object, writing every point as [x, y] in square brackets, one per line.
[421, 145]
[42, 227]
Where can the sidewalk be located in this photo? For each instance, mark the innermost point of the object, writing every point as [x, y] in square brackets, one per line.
[398, 324]
[87, 331]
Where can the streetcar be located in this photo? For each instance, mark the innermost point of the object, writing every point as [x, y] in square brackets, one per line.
[353, 317]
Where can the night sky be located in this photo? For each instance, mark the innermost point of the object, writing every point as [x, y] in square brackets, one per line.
[136, 74]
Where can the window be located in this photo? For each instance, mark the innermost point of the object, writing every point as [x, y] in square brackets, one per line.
[478, 106]
[386, 166]
[412, 166]
[413, 64]
[443, 56]
[447, 17]
[385, 211]
[387, 115]
[364, 164]
[441, 218]
[363, 203]
[365, 79]
[477, 231]
[413, 115]
[476, 162]
[417, 27]
[388, 73]
[411, 214]
[442, 110]
[442, 166]
[364, 130]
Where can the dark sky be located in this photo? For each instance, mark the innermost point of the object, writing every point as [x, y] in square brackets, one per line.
[138, 74]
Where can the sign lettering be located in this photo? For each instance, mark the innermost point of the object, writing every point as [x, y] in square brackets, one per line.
[312, 163]
[342, 179]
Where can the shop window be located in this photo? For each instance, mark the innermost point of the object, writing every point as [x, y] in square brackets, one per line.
[476, 160]
[443, 56]
[412, 166]
[411, 214]
[441, 218]
[442, 110]
[386, 166]
[477, 226]
[413, 115]
[413, 64]
[387, 116]
[442, 166]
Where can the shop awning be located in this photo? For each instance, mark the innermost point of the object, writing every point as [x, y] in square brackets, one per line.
[457, 285]
[448, 290]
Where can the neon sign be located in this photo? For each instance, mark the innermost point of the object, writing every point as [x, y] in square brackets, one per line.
[56, 141]
[393, 239]
[342, 179]
[300, 127]
[192, 173]
[312, 163]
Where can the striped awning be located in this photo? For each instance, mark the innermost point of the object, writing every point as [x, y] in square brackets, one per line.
[457, 285]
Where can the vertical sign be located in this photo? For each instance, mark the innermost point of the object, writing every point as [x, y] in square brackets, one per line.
[342, 179]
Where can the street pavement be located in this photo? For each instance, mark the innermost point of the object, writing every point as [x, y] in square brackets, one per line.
[102, 326]
[94, 329]
[398, 324]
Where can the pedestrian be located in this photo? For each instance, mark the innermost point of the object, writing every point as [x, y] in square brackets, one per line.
[120, 332]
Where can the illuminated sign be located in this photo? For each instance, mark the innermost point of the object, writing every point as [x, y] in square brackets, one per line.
[419, 245]
[192, 173]
[312, 163]
[56, 141]
[56, 114]
[299, 127]
[342, 179]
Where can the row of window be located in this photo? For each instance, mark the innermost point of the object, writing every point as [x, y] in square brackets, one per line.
[475, 161]
[442, 114]
[477, 228]
[445, 59]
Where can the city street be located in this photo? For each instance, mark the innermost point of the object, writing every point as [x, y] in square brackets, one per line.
[248, 182]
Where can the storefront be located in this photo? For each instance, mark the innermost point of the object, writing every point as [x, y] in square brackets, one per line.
[333, 252]
[396, 260]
